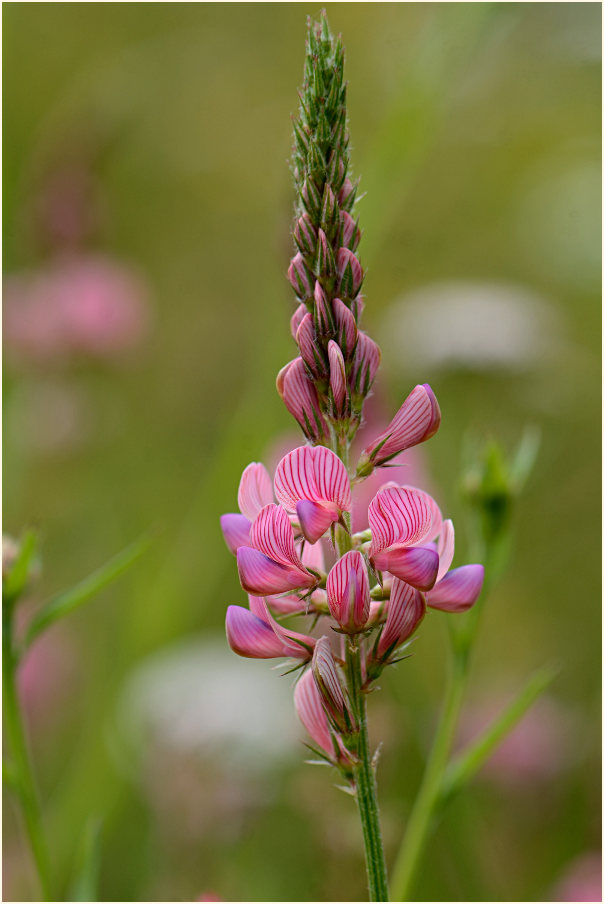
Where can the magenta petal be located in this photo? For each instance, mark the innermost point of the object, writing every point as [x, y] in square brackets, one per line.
[406, 608]
[417, 420]
[314, 473]
[262, 576]
[417, 565]
[458, 590]
[272, 534]
[399, 515]
[348, 591]
[315, 518]
[446, 548]
[249, 636]
[311, 713]
[236, 530]
[255, 490]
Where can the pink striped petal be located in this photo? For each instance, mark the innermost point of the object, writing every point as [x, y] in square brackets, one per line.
[337, 376]
[255, 490]
[272, 534]
[287, 605]
[236, 530]
[313, 473]
[262, 576]
[417, 565]
[350, 272]
[315, 518]
[446, 548]
[458, 590]
[348, 591]
[311, 713]
[249, 636]
[310, 352]
[328, 685]
[301, 400]
[406, 608]
[417, 420]
[346, 327]
[298, 645]
[323, 314]
[398, 515]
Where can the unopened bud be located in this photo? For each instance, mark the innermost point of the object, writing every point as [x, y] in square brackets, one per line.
[337, 378]
[350, 234]
[350, 273]
[299, 277]
[305, 235]
[328, 685]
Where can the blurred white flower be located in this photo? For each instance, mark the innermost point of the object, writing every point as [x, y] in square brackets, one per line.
[469, 325]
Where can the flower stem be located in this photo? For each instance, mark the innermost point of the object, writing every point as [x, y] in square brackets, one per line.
[24, 779]
[365, 785]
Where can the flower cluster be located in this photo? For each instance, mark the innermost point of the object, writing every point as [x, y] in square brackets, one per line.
[365, 592]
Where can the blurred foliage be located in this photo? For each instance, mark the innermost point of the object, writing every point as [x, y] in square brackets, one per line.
[476, 131]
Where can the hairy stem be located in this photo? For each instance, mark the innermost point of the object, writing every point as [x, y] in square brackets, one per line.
[365, 785]
[21, 764]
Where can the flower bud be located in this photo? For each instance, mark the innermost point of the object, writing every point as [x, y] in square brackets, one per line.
[324, 324]
[296, 318]
[310, 711]
[311, 198]
[364, 365]
[406, 609]
[350, 273]
[324, 262]
[350, 234]
[348, 592]
[305, 235]
[301, 400]
[346, 328]
[417, 420]
[309, 348]
[299, 277]
[347, 194]
[328, 685]
[329, 208]
[337, 377]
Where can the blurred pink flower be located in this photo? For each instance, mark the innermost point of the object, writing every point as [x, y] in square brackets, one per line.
[81, 304]
[581, 880]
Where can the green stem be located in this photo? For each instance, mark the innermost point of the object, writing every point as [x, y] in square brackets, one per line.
[421, 817]
[24, 779]
[365, 786]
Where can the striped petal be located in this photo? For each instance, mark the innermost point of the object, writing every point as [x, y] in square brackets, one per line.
[272, 533]
[262, 576]
[417, 565]
[249, 636]
[328, 685]
[417, 420]
[446, 548]
[458, 590]
[398, 515]
[301, 400]
[298, 645]
[315, 518]
[296, 318]
[313, 473]
[310, 351]
[255, 490]
[346, 327]
[311, 713]
[365, 364]
[236, 531]
[348, 591]
[406, 609]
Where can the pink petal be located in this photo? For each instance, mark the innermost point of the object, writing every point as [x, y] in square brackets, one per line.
[337, 376]
[348, 591]
[301, 400]
[311, 713]
[307, 343]
[272, 534]
[323, 314]
[313, 473]
[236, 530]
[287, 605]
[417, 565]
[446, 548]
[296, 319]
[398, 515]
[315, 518]
[262, 576]
[437, 518]
[255, 490]
[406, 608]
[417, 420]
[312, 556]
[458, 590]
[249, 636]
[298, 645]
[328, 683]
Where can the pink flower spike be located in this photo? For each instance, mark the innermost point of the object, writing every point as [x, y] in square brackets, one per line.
[337, 376]
[311, 713]
[249, 636]
[301, 400]
[255, 490]
[458, 590]
[406, 609]
[346, 327]
[417, 565]
[348, 592]
[398, 515]
[417, 420]
[236, 530]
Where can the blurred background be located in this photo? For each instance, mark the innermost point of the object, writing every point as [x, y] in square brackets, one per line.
[147, 207]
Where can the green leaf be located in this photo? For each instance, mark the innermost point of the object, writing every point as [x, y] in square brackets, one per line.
[64, 603]
[85, 883]
[467, 764]
[16, 580]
